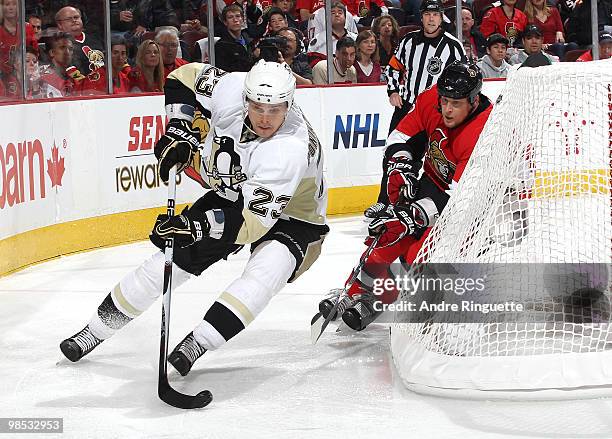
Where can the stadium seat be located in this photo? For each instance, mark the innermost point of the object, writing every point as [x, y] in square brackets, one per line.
[190, 37]
[573, 55]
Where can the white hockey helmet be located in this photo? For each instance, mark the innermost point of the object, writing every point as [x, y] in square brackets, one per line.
[269, 83]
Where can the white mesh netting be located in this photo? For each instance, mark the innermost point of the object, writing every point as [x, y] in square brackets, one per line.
[536, 190]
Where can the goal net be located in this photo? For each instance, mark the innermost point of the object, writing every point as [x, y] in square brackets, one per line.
[533, 205]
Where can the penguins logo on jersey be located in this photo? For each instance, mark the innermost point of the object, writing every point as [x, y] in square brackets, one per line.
[223, 167]
[434, 66]
[443, 167]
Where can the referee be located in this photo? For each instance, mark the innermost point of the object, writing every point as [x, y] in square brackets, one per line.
[419, 59]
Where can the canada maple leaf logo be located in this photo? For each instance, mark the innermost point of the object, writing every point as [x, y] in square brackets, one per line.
[55, 167]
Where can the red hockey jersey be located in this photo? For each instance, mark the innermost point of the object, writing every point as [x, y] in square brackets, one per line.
[448, 149]
[496, 21]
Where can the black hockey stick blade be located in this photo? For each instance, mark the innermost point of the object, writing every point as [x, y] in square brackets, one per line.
[165, 392]
[180, 400]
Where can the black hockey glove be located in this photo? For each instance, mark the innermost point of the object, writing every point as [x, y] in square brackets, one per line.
[187, 228]
[402, 178]
[176, 147]
[393, 224]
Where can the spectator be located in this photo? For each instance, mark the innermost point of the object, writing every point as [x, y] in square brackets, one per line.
[191, 14]
[273, 20]
[276, 20]
[35, 87]
[253, 15]
[549, 22]
[132, 18]
[168, 42]
[605, 48]
[88, 49]
[317, 25]
[367, 63]
[287, 7]
[576, 15]
[121, 69]
[506, 20]
[472, 34]
[344, 72]
[493, 64]
[233, 51]
[366, 10]
[60, 49]
[317, 49]
[419, 59]
[125, 20]
[532, 43]
[148, 75]
[10, 35]
[36, 23]
[387, 31]
[294, 56]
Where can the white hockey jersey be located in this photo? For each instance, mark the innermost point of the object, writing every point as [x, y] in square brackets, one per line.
[278, 178]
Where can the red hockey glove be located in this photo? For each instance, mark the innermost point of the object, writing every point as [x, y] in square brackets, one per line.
[402, 177]
[393, 224]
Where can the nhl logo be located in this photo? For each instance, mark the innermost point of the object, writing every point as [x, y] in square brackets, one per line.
[434, 66]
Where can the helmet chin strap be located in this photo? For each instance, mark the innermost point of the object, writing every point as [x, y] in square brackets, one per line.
[427, 34]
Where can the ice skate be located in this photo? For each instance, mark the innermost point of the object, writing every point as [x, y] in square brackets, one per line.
[327, 304]
[80, 344]
[362, 312]
[185, 354]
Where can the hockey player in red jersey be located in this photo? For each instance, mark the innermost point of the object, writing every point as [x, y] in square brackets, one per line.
[438, 134]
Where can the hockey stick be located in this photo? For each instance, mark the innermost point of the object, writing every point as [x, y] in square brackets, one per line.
[319, 324]
[164, 390]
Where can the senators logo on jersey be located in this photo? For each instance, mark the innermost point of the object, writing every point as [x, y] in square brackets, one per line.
[223, 168]
[440, 164]
[511, 31]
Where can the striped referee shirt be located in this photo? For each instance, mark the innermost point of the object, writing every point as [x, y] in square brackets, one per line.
[418, 61]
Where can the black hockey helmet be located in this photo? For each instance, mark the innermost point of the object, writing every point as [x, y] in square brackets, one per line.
[460, 79]
[431, 6]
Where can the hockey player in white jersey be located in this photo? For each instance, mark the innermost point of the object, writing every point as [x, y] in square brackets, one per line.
[264, 165]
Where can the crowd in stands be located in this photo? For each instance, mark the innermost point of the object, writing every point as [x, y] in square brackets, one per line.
[65, 47]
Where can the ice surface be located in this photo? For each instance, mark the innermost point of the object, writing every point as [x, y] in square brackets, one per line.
[268, 382]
